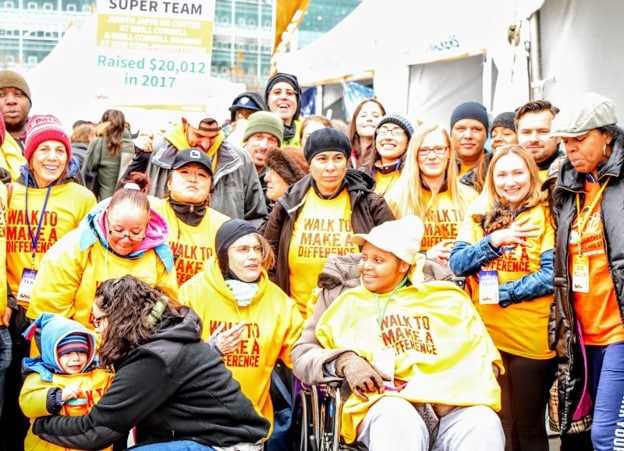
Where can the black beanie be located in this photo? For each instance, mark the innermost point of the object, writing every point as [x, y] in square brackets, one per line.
[229, 232]
[470, 110]
[506, 119]
[326, 139]
[292, 81]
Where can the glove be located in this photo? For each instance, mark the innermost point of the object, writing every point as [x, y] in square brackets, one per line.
[361, 376]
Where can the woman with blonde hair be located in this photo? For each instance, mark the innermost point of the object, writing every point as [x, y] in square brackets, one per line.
[505, 250]
[429, 188]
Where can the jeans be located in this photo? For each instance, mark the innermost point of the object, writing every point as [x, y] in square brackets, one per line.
[5, 359]
[606, 385]
[178, 445]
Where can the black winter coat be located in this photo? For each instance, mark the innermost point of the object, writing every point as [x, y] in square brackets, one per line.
[368, 210]
[175, 387]
[563, 331]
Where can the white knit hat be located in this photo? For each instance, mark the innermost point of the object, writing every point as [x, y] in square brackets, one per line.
[401, 237]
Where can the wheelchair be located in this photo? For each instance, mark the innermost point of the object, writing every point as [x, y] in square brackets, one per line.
[317, 411]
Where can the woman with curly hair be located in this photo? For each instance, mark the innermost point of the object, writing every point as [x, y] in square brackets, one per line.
[168, 383]
[108, 153]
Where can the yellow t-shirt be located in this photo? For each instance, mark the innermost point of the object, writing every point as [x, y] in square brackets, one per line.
[442, 220]
[442, 349]
[66, 206]
[322, 228]
[34, 393]
[463, 168]
[385, 182]
[273, 325]
[12, 157]
[69, 276]
[519, 329]
[191, 245]
[597, 311]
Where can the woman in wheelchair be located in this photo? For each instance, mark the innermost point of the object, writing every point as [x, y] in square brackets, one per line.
[417, 358]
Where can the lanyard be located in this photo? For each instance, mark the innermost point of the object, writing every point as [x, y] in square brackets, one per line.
[382, 313]
[581, 221]
[35, 239]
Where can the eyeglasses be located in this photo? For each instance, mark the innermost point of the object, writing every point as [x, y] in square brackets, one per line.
[398, 131]
[131, 236]
[425, 151]
[244, 250]
[121, 235]
[97, 322]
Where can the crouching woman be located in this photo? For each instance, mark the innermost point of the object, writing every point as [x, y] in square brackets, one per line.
[168, 383]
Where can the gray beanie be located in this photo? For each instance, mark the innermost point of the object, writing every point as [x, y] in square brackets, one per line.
[506, 119]
[399, 120]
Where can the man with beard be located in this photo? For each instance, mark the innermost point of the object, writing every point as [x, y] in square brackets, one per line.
[264, 131]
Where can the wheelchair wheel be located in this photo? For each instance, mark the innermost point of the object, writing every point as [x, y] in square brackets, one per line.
[304, 428]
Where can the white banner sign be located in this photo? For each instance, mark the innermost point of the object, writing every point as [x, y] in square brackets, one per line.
[154, 50]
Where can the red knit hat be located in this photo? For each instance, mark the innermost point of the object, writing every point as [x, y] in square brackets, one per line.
[41, 128]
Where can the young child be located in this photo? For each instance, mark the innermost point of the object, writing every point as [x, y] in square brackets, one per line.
[65, 379]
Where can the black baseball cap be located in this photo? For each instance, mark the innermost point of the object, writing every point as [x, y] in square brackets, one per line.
[192, 155]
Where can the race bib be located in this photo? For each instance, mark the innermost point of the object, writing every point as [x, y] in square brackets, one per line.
[488, 287]
[24, 290]
[580, 273]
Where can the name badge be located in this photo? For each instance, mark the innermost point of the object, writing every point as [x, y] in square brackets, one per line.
[26, 285]
[580, 273]
[383, 360]
[488, 287]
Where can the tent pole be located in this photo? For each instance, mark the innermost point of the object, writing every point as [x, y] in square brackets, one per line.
[534, 56]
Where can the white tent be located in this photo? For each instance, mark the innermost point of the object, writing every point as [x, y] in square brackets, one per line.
[424, 57]
[580, 50]
[67, 83]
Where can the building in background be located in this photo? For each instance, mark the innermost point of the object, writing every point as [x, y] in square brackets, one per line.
[322, 16]
[30, 29]
[242, 41]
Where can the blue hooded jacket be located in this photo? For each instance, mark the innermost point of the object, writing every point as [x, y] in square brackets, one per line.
[50, 329]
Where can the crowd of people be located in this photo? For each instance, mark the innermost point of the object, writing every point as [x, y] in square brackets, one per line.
[465, 282]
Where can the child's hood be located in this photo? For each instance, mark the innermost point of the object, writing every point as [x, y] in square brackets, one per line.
[49, 329]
